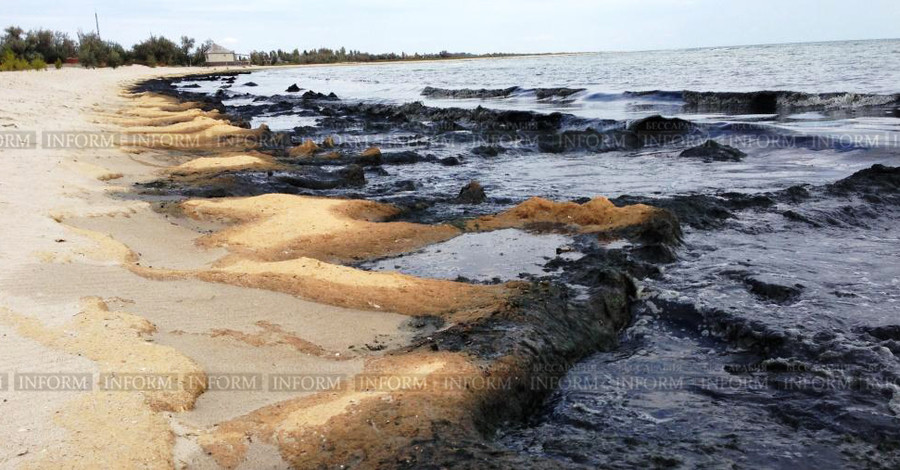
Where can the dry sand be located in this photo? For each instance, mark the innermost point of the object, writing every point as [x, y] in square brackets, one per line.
[71, 307]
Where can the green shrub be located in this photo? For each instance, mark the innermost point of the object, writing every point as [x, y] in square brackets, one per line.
[38, 64]
[10, 62]
[58, 63]
[88, 56]
[114, 60]
[6, 59]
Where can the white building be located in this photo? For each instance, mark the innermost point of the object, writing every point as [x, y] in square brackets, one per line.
[218, 55]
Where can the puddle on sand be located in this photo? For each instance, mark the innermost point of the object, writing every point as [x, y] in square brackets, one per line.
[502, 254]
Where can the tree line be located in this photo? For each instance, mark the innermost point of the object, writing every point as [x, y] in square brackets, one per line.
[21, 50]
[35, 49]
[333, 56]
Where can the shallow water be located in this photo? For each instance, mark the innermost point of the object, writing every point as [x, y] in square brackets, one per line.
[502, 255]
[672, 390]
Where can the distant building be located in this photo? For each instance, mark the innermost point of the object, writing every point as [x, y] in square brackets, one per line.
[218, 55]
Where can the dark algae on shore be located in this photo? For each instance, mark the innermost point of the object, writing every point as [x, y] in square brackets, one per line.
[733, 329]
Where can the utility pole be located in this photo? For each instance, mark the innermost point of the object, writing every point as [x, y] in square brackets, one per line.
[97, 22]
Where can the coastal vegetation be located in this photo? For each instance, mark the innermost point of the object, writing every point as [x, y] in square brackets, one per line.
[34, 49]
[20, 50]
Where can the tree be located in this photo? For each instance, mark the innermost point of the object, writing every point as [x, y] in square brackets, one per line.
[48, 45]
[162, 50]
[12, 40]
[187, 44]
[92, 51]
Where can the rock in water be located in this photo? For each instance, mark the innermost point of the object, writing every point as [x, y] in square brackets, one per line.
[487, 150]
[314, 95]
[472, 193]
[250, 84]
[876, 179]
[661, 125]
[773, 292]
[293, 89]
[370, 156]
[353, 175]
[305, 149]
[318, 179]
[712, 151]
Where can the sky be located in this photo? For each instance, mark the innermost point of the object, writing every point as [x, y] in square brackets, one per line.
[477, 26]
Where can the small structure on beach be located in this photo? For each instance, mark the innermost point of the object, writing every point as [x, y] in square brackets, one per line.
[218, 55]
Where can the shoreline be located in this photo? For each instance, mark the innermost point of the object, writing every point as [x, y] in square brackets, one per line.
[159, 307]
[477, 411]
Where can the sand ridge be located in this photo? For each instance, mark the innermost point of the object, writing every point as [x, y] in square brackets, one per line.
[354, 288]
[296, 244]
[157, 117]
[277, 227]
[594, 216]
[380, 411]
[328, 283]
[192, 131]
[217, 164]
[318, 281]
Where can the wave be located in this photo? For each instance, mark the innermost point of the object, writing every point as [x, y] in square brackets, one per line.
[493, 93]
[467, 93]
[757, 102]
[771, 102]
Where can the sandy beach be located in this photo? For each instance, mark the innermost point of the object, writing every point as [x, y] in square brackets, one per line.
[70, 306]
